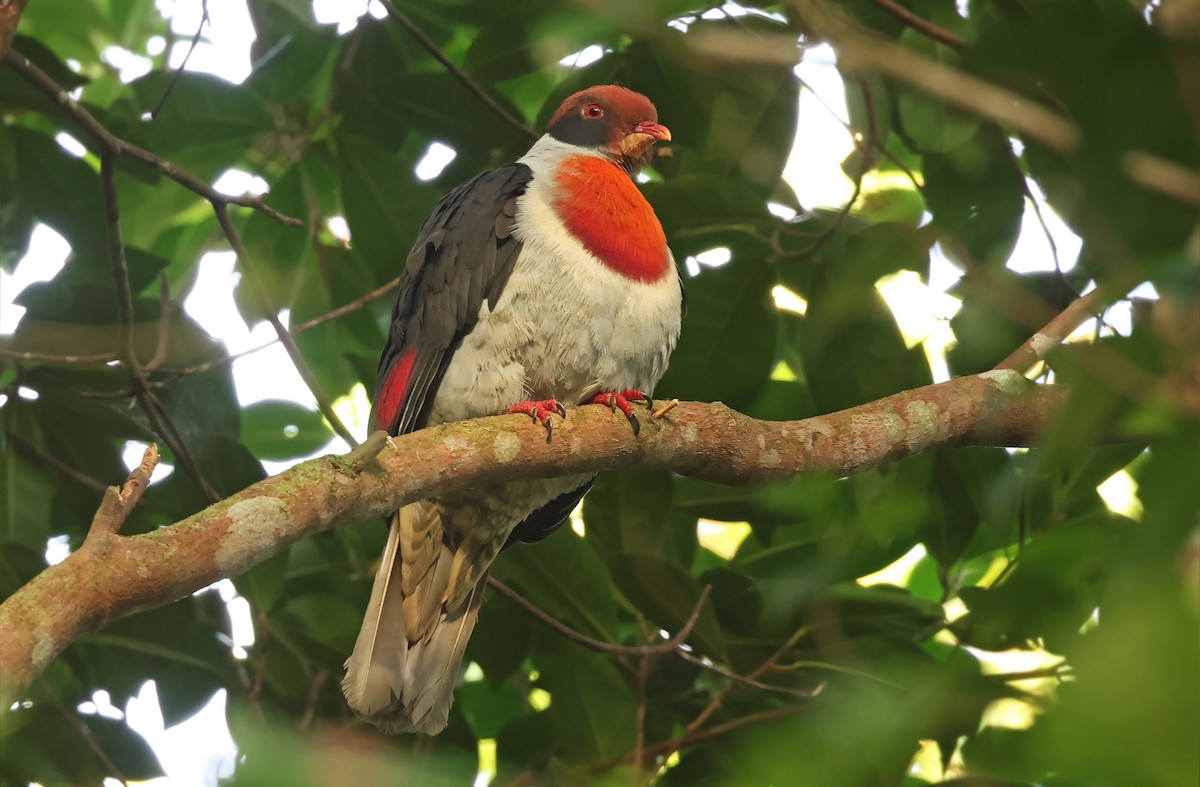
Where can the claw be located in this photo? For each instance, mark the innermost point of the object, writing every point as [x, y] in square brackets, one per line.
[621, 401]
[540, 411]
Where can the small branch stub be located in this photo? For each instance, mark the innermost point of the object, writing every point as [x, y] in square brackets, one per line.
[119, 501]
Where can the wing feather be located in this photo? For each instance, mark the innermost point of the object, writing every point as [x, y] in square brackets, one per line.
[463, 255]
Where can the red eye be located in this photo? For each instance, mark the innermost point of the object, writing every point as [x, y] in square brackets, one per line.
[593, 111]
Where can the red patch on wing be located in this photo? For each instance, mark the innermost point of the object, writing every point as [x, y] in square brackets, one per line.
[603, 209]
[392, 393]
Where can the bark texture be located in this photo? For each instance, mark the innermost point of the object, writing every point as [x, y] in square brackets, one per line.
[111, 575]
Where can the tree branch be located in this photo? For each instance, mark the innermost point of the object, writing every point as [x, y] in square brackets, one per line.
[921, 24]
[119, 501]
[472, 87]
[108, 143]
[10, 15]
[1055, 332]
[858, 52]
[289, 344]
[709, 441]
[599, 646]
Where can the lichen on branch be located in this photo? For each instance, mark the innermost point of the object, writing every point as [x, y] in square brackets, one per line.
[117, 575]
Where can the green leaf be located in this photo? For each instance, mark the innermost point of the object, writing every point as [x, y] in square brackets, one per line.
[852, 349]
[931, 122]
[28, 489]
[279, 430]
[595, 716]
[727, 345]
[976, 192]
[631, 511]
[384, 204]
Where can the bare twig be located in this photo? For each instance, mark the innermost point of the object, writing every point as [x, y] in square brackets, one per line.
[82, 478]
[164, 324]
[597, 645]
[719, 698]
[920, 24]
[860, 53]
[1165, 177]
[860, 145]
[869, 104]
[1055, 332]
[664, 409]
[221, 360]
[119, 501]
[159, 419]
[289, 344]
[89, 740]
[116, 254]
[299, 328]
[666, 748]
[472, 87]
[31, 356]
[175, 77]
[742, 679]
[108, 143]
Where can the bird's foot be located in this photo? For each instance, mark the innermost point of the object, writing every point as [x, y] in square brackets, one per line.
[621, 401]
[540, 411]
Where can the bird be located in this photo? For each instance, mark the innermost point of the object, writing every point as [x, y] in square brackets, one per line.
[540, 284]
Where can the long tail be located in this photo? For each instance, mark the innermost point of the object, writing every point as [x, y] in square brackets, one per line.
[402, 672]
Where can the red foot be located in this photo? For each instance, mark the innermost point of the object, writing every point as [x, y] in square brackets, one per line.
[540, 411]
[621, 401]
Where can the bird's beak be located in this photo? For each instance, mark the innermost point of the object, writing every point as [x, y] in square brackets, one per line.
[656, 130]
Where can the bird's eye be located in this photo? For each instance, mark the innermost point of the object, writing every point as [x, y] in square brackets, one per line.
[593, 111]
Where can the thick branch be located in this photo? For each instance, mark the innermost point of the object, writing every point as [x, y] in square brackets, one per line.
[126, 574]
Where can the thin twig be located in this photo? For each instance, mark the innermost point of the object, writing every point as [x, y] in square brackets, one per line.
[860, 53]
[120, 270]
[669, 747]
[320, 319]
[61, 360]
[310, 699]
[1055, 332]
[175, 77]
[108, 143]
[664, 409]
[159, 419]
[221, 360]
[83, 732]
[472, 87]
[860, 145]
[164, 324]
[858, 181]
[289, 344]
[921, 25]
[597, 645]
[70, 472]
[719, 698]
[1165, 177]
[742, 679]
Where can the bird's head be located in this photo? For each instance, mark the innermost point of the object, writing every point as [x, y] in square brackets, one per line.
[613, 121]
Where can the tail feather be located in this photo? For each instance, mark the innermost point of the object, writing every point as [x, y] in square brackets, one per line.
[402, 672]
[371, 671]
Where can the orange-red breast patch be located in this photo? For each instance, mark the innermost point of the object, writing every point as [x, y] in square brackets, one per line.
[601, 206]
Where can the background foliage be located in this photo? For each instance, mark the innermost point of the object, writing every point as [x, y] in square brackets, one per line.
[1020, 552]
